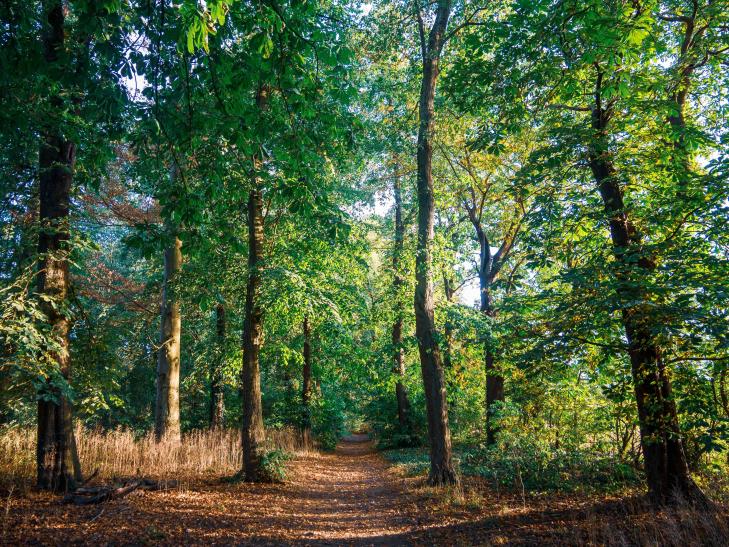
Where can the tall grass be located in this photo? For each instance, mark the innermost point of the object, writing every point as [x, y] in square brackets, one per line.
[634, 522]
[119, 453]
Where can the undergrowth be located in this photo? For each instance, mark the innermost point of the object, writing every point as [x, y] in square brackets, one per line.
[532, 470]
[118, 453]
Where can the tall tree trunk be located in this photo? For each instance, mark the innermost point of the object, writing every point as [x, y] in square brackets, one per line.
[448, 326]
[450, 292]
[254, 434]
[167, 408]
[724, 397]
[403, 403]
[253, 431]
[306, 384]
[494, 379]
[486, 272]
[441, 462]
[666, 467]
[57, 461]
[217, 399]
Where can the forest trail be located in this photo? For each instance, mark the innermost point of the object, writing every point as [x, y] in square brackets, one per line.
[349, 497]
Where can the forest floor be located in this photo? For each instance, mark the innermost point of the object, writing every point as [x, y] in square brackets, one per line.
[350, 497]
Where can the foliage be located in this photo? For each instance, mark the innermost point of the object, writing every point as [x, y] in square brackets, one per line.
[160, 100]
[273, 465]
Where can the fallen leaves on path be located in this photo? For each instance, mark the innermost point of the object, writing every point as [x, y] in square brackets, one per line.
[351, 497]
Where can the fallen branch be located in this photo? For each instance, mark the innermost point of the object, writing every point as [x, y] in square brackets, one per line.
[90, 496]
[101, 494]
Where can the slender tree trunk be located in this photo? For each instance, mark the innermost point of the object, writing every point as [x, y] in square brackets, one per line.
[723, 392]
[217, 399]
[666, 466]
[494, 379]
[489, 266]
[306, 384]
[681, 160]
[450, 372]
[58, 467]
[401, 394]
[441, 463]
[167, 407]
[254, 433]
[448, 326]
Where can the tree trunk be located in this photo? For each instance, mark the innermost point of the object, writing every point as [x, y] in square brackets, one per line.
[441, 464]
[450, 292]
[58, 467]
[494, 380]
[666, 467]
[486, 273]
[306, 384]
[403, 403]
[217, 399]
[167, 408]
[448, 326]
[723, 393]
[254, 434]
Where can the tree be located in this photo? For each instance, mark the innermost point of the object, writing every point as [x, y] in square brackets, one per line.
[306, 383]
[484, 182]
[441, 464]
[167, 407]
[584, 75]
[57, 459]
[217, 393]
[253, 432]
[403, 404]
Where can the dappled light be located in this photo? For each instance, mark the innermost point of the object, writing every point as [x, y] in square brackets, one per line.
[338, 272]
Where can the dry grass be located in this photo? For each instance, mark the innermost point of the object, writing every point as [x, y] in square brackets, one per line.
[635, 522]
[119, 453]
[486, 517]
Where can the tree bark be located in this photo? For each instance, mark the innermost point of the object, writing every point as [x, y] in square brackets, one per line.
[58, 466]
[217, 399]
[441, 464]
[403, 403]
[494, 379]
[448, 341]
[254, 434]
[487, 270]
[306, 384]
[167, 408]
[448, 326]
[666, 467]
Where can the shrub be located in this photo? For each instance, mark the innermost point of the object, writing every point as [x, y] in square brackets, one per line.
[273, 465]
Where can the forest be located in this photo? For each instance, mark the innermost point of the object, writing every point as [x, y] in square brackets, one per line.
[350, 272]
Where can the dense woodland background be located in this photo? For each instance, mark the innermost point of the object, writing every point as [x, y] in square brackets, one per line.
[220, 215]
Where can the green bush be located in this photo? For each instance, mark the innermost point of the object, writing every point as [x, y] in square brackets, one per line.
[273, 465]
[414, 461]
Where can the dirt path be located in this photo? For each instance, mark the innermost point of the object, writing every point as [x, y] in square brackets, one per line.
[351, 497]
